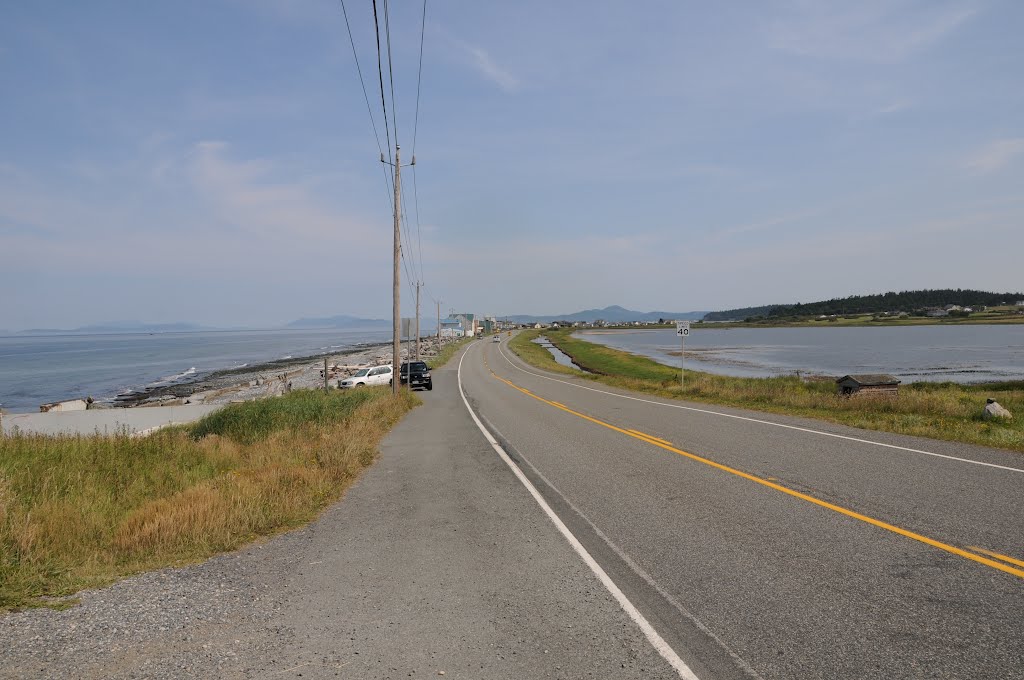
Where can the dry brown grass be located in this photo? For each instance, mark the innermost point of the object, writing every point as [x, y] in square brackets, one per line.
[78, 512]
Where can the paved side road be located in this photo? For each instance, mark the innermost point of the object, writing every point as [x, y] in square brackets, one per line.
[104, 421]
[436, 562]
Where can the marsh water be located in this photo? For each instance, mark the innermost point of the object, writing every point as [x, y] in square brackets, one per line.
[560, 356]
[964, 354]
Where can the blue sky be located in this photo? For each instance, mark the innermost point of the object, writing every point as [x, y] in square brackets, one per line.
[214, 161]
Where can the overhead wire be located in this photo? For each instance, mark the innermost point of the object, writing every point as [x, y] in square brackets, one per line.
[391, 71]
[410, 259]
[369, 108]
[419, 78]
[415, 131]
[362, 83]
[380, 79]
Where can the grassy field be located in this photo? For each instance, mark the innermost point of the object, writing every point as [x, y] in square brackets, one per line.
[998, 316]
[937, 410]
[83, 511]
[447, 352]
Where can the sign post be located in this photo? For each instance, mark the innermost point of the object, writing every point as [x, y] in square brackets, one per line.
[682, 330]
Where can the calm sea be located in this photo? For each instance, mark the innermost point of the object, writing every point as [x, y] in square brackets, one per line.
[39, 369]
[935, 353]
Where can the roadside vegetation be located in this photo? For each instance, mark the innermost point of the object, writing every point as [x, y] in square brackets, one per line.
[447, 352]
[937, 410]
[82, 511]
[997, 315]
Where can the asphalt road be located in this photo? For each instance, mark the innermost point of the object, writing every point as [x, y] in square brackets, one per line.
[623, 537]
[754, 548]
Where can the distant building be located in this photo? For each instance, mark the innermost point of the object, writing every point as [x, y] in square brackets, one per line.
[936, 313]
[452, 328]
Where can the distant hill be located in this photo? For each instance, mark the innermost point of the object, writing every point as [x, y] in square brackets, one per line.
[340, 321]
[614, 313]
[904, 301]
[119, 327]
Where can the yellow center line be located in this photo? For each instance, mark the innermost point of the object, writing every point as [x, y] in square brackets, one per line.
[1005, 558]
[778, 487]
[650, 436]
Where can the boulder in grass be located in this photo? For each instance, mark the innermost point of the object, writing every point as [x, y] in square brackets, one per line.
[993, 411]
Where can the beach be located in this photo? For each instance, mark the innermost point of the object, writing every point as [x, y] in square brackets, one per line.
[147, 408]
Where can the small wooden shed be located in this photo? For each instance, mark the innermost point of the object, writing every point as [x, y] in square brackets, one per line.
[877, 383]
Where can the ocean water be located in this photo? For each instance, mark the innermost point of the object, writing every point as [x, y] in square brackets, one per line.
[38, 369]
[964, 354]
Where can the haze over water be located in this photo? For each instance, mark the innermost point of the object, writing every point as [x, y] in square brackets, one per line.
[964, 354]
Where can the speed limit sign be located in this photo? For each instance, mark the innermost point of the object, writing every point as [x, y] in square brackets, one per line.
[682, 328]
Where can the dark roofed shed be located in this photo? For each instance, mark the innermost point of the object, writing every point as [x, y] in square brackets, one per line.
[874, 383]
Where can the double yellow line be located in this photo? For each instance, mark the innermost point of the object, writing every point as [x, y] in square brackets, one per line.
[1006, 565]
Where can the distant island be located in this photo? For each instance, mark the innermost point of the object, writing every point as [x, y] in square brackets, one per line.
[114, 327]
[613, 314]
[340, 321]
[948, 302]
[119, 327]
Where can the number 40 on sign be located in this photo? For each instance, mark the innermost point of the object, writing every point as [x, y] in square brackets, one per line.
[682, 330]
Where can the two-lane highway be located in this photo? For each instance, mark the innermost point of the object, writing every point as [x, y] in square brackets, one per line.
[763, 545]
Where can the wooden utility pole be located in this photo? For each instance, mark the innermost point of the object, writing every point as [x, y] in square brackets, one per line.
[396, 310]
[418, 284]
[439, 323]
[325, 375]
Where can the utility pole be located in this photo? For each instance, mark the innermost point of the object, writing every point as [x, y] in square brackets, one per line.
[418, 284]
[438, 323]
[396, 311]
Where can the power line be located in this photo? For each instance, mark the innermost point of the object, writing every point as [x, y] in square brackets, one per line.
[419, 79]
[380, 78]
[362, 83]
[416, 206]
[408, 238]
[415, 131]
[391, 72]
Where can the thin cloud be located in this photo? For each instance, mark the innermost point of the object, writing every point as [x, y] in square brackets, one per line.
[996, 155]
[485, 65]
[894, 107]
[248, 196]
[864, 31]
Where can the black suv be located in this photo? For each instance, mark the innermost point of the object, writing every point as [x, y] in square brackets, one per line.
[419, 376]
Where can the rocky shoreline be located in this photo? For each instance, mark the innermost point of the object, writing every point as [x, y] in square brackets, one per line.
[267, 379]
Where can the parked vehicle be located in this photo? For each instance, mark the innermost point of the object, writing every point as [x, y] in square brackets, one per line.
[416, 374]
[376, 375]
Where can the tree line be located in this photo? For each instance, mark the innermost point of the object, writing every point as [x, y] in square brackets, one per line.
[905, 301]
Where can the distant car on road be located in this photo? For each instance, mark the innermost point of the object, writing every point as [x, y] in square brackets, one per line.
[416, 374]
[497, 338]
[377, 375]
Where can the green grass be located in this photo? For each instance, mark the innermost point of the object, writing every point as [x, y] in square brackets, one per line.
[254, 421]
[447, 352]
[523, 345]
[83, 511]
[941, 411]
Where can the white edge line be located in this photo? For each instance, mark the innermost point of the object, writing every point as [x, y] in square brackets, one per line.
[647, 578]
[652, 636]
[763, 422]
